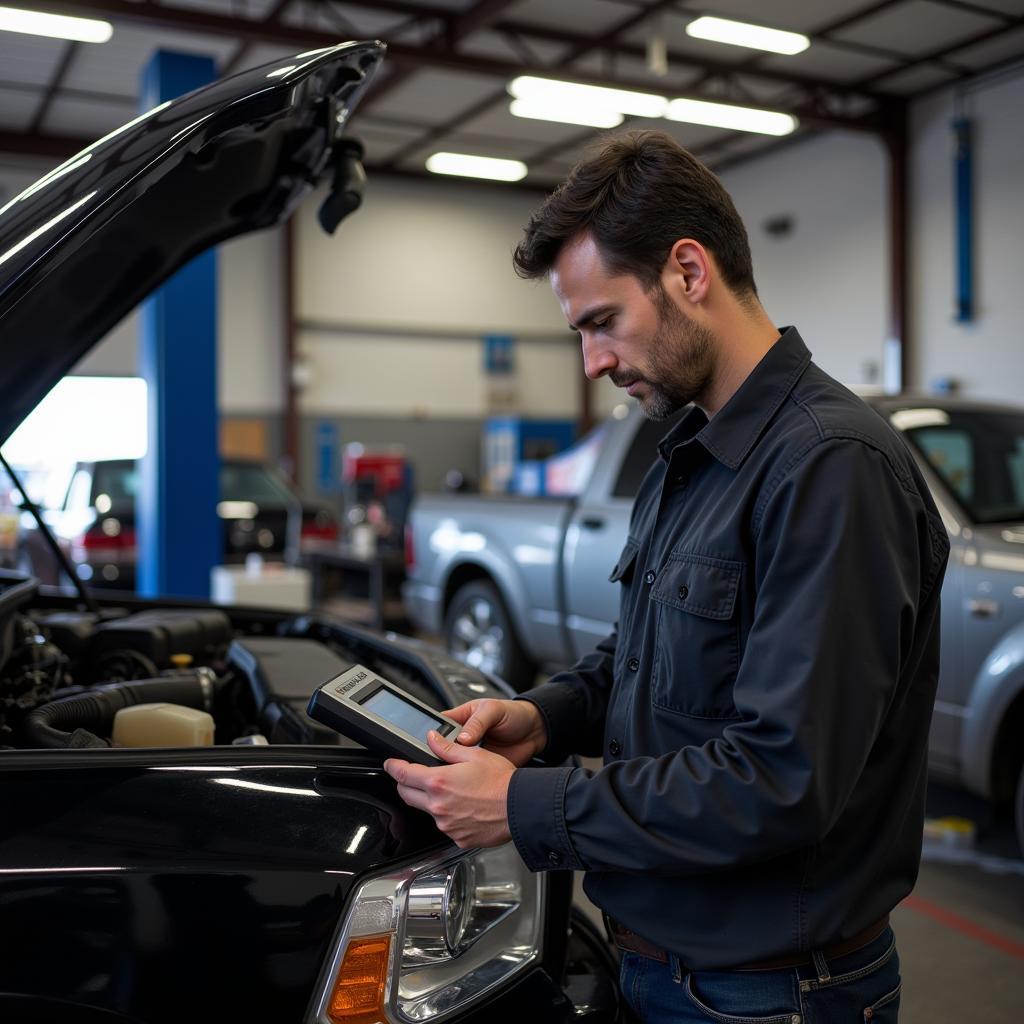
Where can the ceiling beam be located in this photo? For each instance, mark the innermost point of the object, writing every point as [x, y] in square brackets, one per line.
[707, 65]
[861, 14]
[453, 31]
[271, 18]
[964, 5]
[55, 147]
[89, 95]
[944, 51]
[824, 34]
[70, 52]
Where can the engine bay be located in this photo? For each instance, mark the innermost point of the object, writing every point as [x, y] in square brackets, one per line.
[67, 673]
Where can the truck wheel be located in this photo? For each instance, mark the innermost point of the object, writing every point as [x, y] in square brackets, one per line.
[478, 629]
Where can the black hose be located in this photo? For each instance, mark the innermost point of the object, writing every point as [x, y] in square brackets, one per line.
[81, 720]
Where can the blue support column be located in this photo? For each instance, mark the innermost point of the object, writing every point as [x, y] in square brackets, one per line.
[963, 174]
[179, 534]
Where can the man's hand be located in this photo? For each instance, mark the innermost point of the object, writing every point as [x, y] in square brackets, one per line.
[512, 728]
[465, 797]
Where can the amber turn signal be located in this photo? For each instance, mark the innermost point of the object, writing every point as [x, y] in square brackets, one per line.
[361, 982]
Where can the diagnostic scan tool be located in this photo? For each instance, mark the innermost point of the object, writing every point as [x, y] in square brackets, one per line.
[379, 715]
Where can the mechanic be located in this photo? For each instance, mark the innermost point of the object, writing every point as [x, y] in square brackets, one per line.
[763, 707]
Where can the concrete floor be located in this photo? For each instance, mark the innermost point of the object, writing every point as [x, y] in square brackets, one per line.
[960, 934]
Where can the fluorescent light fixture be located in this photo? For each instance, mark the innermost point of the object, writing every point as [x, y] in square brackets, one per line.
[593, 117]
[740, 33]
[725, 115]
[464, 165]
[56, 26]
[566, 95]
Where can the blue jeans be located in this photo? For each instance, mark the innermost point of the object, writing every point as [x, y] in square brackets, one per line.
[862, 987]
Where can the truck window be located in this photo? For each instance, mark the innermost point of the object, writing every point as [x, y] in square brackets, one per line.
[980, 457]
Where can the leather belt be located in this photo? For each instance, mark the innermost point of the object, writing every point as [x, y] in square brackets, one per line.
[631, 942]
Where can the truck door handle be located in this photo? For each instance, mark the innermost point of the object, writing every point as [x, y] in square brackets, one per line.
[593, 523]
[983, 608]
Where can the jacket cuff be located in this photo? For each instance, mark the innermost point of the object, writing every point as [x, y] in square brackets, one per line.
[561, 707]
[536, 819]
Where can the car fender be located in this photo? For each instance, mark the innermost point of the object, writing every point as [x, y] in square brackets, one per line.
[999, 682]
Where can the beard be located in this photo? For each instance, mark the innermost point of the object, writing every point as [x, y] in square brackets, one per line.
[680, 365]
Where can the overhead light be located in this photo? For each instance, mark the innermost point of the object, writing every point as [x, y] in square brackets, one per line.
[56, 26]
[566, 113]
[465, 166]
[566, 95]
[740, 33]
[725, 115]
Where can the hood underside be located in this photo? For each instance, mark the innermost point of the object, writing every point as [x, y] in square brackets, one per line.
[86, 243]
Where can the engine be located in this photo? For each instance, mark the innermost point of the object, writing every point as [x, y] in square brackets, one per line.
[66, 675]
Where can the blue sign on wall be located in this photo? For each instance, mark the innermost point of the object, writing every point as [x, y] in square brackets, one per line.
[499, 353]
[327, 479]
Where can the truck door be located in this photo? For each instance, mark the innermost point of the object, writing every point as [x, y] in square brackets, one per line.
[598, 527]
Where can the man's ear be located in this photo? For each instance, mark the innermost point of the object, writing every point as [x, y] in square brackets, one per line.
[688, 269]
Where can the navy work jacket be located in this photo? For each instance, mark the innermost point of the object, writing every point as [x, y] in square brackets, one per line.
[763, 706]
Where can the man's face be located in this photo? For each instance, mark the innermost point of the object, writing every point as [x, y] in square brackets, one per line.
[640, 339]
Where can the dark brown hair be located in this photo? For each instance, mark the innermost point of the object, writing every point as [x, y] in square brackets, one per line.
[638, 194]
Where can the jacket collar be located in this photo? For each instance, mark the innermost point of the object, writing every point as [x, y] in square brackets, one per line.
[734, 431]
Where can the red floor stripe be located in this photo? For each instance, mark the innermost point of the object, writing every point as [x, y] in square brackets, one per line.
[964, 926]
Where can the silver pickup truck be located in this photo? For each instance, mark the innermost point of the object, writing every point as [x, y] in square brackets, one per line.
[514, 584]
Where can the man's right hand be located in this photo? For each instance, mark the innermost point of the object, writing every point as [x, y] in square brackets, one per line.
[513, 728]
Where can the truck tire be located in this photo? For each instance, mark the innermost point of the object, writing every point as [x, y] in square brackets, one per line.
[478, 629]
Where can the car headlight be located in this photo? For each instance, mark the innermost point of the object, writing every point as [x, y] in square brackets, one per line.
[422, 942]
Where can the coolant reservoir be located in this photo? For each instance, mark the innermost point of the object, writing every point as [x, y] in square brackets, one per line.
[162, 725]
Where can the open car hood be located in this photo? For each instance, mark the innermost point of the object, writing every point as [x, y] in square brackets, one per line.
[86, 243]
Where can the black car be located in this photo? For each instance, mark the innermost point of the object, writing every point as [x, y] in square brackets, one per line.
[259, 509]
[264, 870]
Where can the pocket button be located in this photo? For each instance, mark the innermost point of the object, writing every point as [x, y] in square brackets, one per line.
[684, 592]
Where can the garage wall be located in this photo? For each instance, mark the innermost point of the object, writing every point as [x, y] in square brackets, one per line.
[984, 356]
[828, 274]
[250, 324]
[249, 329]
[393, 308]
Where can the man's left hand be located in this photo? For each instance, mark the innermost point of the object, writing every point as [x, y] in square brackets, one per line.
[466, 797]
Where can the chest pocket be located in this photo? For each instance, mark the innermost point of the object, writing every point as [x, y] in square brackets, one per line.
[697, 642]
[624, 566]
